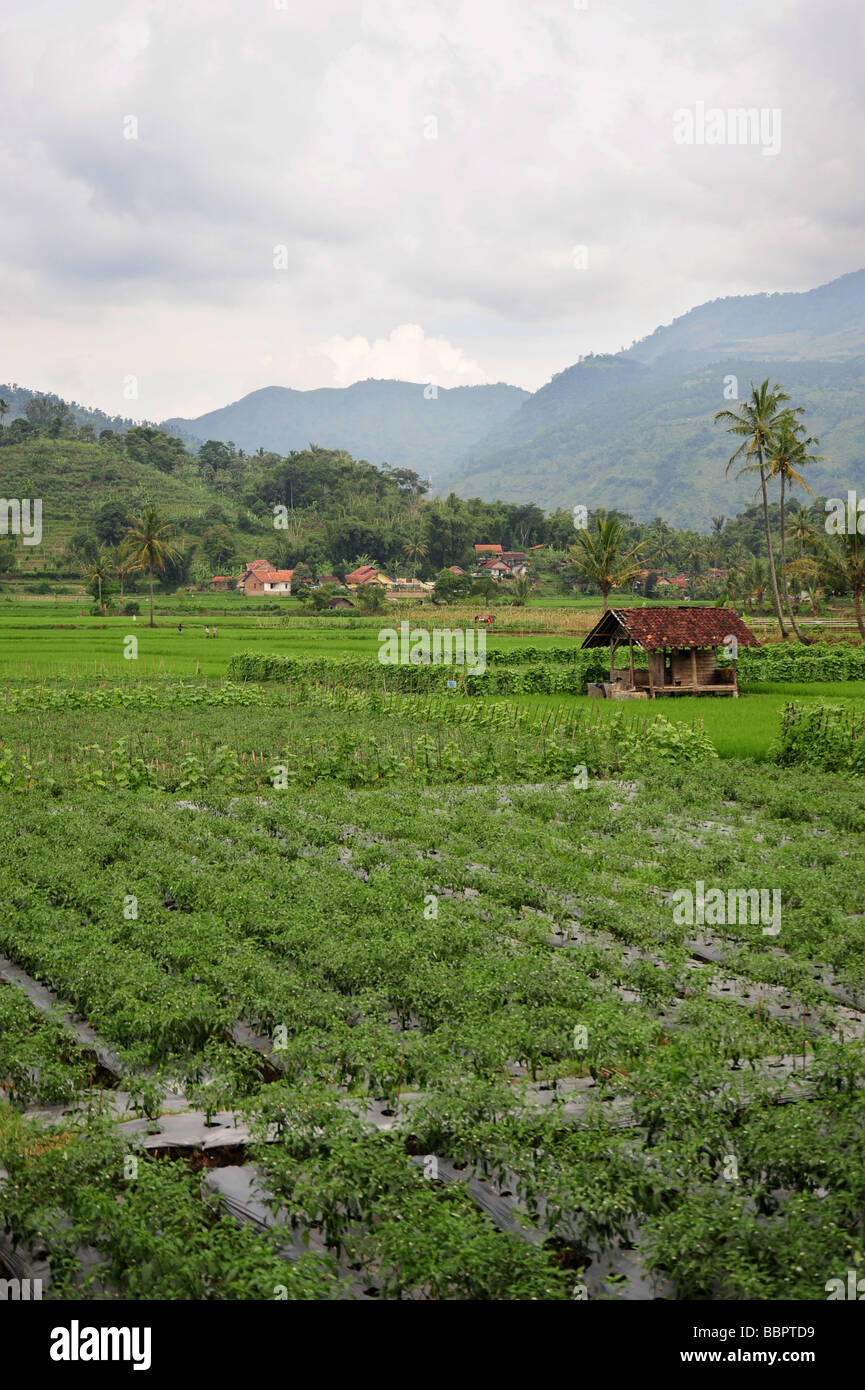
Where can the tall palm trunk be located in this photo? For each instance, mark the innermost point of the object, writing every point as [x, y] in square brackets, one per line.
[152, 624]
[857, 604]
[784, 584]
[779, 612]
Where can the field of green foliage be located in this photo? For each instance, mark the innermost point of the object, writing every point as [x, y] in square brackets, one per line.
[315, 989]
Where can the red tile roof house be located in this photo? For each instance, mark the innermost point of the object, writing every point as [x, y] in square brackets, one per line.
[220, 581]
[515, 561]
[367, 574]
[455, 569]
[682, 645]
[251, 567]
[487, 550]
[267, 582]
[680, 582]
[496, 570]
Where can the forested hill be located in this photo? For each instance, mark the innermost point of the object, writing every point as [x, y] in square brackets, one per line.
[817, 325]
[406, 424]
[649, 445]
[634, 431]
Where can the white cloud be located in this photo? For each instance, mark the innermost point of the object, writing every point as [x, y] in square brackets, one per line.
[406, 354]
[306, 127]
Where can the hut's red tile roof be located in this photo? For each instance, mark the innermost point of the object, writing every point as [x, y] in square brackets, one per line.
[654, 628]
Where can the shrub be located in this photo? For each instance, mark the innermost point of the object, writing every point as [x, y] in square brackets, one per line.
[827, 736]
[822, 661]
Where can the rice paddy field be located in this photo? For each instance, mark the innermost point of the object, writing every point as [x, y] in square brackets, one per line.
[313, 990]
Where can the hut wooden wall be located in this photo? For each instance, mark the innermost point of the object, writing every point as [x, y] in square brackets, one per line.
[683, 669]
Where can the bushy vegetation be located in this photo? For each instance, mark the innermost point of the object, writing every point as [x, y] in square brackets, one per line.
[825, 735]
[308, 919]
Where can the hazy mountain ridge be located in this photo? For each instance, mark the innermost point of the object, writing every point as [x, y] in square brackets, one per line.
[631, 430]
[646, 443]
[401, 423]
[828, 321]
[654, 448]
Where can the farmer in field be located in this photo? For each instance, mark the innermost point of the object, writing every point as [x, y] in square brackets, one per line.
[207, 632]
[180, 627]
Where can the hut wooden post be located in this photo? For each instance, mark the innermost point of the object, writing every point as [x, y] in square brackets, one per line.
[694, 666]
[631, 654]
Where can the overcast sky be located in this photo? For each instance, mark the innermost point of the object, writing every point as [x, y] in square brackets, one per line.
[326, 190]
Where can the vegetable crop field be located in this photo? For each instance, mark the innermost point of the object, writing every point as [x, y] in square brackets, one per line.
[319, 983]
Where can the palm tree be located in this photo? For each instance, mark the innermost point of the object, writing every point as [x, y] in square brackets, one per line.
[802, 529]
[121, 564]
[4, 409]
[520, 590]
[659, 540]
[598, 556]
[843, 559]
[755, 582]
[788, 453]
[98, 571]
[415, 551]
[756, 422]
[146, 547]
[804, 568]
[737, 562]
[693, 557]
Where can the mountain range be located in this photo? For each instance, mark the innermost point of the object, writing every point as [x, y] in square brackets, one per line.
[402, 423]
[633, 430]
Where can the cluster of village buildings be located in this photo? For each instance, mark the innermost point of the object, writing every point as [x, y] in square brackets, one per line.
[260, 577]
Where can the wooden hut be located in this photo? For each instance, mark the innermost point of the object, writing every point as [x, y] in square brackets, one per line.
[682, 646]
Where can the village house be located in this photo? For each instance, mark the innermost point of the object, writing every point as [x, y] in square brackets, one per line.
[495, 569]
[516, 562]
[408, 588]
[679, 581]
[221, 581]
[267, 582]
[682, 646]
[251, 567]
[497, 563]
[367, 574]
[509, 565]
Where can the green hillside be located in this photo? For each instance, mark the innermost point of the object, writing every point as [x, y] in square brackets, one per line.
[634, 431]
[74, 479]
[652, 449]
[826, 322]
